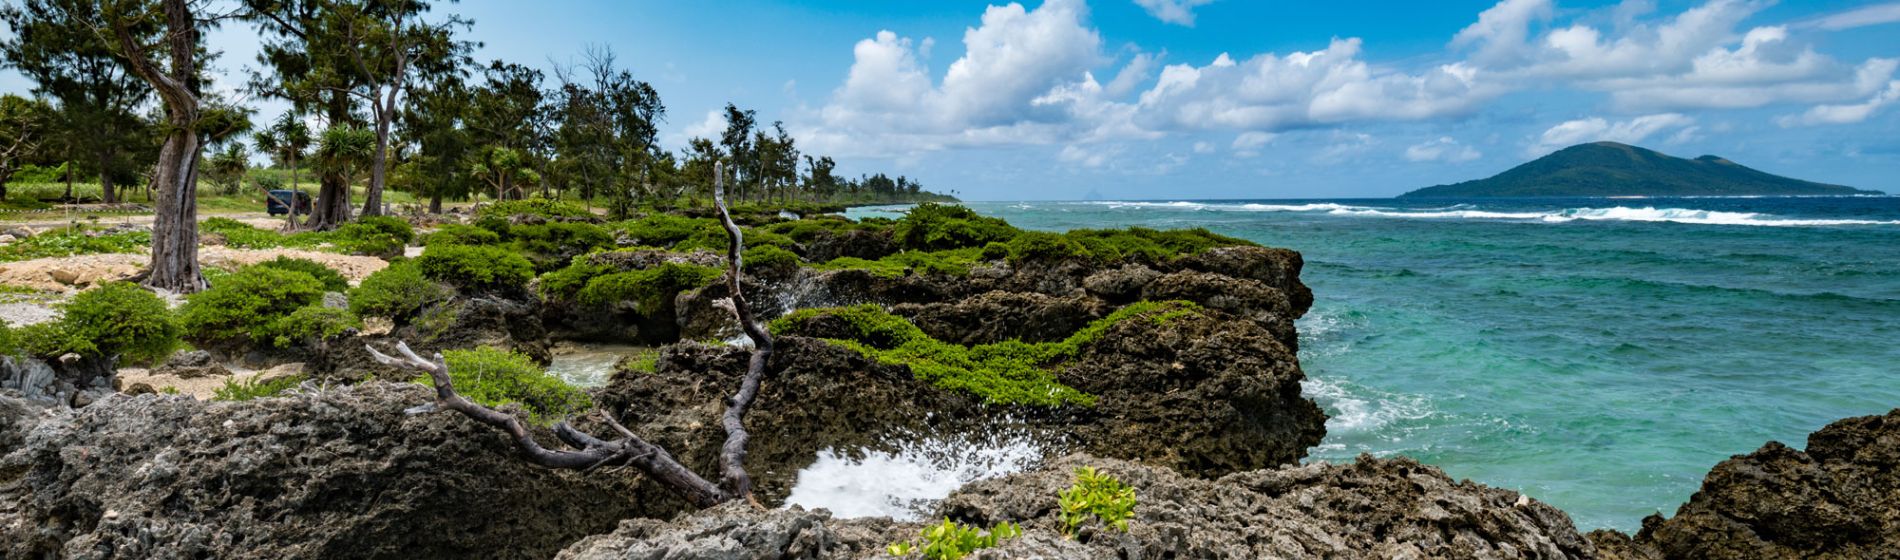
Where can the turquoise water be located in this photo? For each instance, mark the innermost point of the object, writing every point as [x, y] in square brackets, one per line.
[1599, 355]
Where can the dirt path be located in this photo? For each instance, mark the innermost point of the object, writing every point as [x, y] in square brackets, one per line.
[66, 274]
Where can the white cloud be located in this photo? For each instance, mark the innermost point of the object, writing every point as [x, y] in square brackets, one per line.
[1345, 145]
[1443, 148]
[1203, 148]
[1248, 144]
[1018, 67]
[1847, 113]
[1178, 12]
[1859, 17]
[1272, 92]
[1597, 129]
[1138, 70]
[1500, 32]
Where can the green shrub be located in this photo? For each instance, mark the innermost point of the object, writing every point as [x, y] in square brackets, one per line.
[809, 229]
[542, 207]
[650, 288]
[932, 227]
[715, 239]
[1043, 246]
[245, 305]
[1008, 372]
[396, 292]
[498, 377]
[312, 323]
[458, 234]
[368, 239]
[9, 343]
[955, 262]
[45, 340]
[1099, 496]
[332, 280]
[242, 236]
[552, 245]
[391, 226]
[252, 388]
[770, 260]
[475, 267]
[120, 318]
[953, 541]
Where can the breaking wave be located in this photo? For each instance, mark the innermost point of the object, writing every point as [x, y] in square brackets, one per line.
[1468, 212]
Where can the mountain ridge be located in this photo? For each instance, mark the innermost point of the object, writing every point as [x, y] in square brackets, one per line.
[1616, 169]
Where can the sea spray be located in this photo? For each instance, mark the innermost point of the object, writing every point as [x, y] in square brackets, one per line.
[905, 480]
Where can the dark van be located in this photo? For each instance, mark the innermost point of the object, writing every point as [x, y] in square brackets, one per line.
[280, 202]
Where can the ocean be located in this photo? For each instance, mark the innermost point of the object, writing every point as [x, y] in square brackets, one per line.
[1597, 354]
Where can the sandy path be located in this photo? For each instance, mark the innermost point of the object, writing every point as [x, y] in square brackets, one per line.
[72, 273]
[202, 387]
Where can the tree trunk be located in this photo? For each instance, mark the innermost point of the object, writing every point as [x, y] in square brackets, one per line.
[332, 207]
[175, 227]
[435, 202]
[378, 164]
[106, 192]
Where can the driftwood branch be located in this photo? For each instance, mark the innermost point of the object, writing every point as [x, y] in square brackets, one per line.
[585, 451]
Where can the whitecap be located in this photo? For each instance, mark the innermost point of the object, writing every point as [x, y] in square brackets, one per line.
[902, 484]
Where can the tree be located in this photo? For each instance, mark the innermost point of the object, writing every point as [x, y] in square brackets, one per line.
[307, 53]
[344, 151]
[227, 167]
[174, 264]
[506, 120]
[505, 170]
[387, 42]
[739, 150]
[433, 123]
[60, 46]
[586, 452]
[23, 129]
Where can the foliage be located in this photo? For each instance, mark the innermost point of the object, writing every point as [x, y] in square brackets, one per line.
[245, 305]
[541, 207]
[475, 267]
[498, 377]
[664, 230]
[312, 323]
[1097, 495]
[396, 292]
[809, 229]
[930, 227]
[380, 236]
[952, 541]
[236, 389]
[954, 262]
[458, 234]
[243, 236]
[119, 318]
[553, 244]
[651, 289]
[1008, 372]
[392, 226]
[74, 241]
[771, 260]
[332, 280]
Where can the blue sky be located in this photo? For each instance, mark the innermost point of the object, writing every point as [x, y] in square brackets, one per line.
[1169, 99]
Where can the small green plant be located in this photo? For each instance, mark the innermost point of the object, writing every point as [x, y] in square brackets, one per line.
[245, 305]
[332, 280]
[499, 377]
[650, 289]
[374, 239]
[932, 227]
[312, 323]
[552, 245]
[458, 234]
[475, 267]
[1096, 495]
[253, 388]
[953, 541]
[77, 240]
[396, 292]
[120, 318]
[169, 390]
[770, 260]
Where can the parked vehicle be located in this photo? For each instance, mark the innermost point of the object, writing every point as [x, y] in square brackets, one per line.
[281, 201]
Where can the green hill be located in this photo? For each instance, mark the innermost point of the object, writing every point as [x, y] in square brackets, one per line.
[1612, 169]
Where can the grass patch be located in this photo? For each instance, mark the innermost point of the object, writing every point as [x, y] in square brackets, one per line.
[952, 262]
[253, 388]
[650, 289]
[76, 240]
[498, 377]
[1009, 372]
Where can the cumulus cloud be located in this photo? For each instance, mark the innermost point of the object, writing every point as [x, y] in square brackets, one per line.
[1443, 148]
[889, 101]
[1248, 144]
[1500, 32]
[1178, 12]
[1598, 129]
[1272, 92]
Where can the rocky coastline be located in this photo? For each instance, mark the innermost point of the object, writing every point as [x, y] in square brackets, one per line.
[1179, 354]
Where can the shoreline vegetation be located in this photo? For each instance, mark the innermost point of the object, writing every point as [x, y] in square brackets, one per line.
[941, 323]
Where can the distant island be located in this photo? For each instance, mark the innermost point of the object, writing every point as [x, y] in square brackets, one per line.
[1613, 169]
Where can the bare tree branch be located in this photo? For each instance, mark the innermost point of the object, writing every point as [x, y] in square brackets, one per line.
[587, 451]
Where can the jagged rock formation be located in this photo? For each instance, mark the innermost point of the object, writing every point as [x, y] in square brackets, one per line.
[339, 473]
[1374, 508]
[1838, 499]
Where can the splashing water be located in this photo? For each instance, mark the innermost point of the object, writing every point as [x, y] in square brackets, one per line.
[903, 484]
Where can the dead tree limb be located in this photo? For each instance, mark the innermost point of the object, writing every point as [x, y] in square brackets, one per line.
[733, 477]
[585, 451]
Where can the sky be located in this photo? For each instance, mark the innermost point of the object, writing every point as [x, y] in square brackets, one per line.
[1199, 99]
